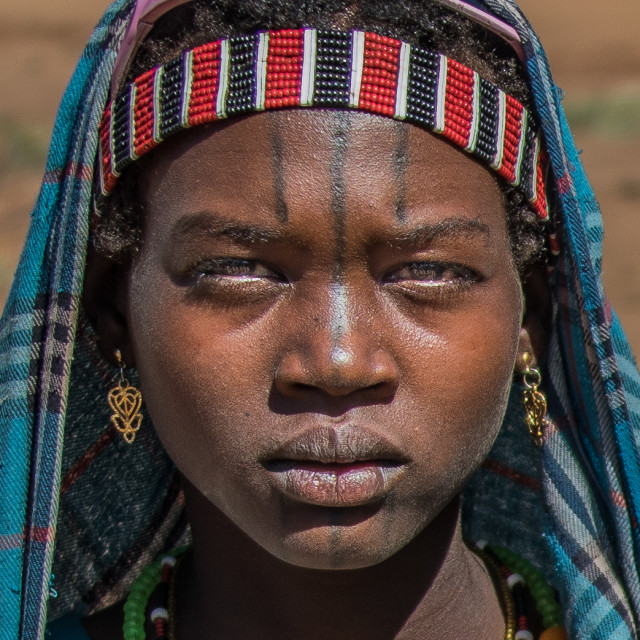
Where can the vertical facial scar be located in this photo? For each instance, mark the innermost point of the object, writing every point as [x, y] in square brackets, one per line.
[277, 164]
[339, 316]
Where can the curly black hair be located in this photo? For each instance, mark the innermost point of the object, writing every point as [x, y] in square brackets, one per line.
[119, 221]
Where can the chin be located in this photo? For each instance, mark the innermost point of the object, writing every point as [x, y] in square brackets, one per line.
[343, 539]
[331, 550]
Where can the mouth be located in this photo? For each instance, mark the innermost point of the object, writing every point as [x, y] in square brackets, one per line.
[336, 467]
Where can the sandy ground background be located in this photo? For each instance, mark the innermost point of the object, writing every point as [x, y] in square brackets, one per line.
[592, 45]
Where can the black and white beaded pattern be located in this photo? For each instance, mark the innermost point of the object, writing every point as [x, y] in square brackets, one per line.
[488, 121]
[121, 130]
[333, 69]
[424, 70]
[171, 96]
[242, 74]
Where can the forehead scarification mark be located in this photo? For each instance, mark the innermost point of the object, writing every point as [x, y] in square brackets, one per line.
[337, 172]
[277, 166]
[339, 317]
[400, 161]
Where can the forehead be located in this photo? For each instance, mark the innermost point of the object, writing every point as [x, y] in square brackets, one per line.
[301, 159]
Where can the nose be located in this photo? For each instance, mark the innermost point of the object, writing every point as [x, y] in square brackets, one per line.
[338, 351]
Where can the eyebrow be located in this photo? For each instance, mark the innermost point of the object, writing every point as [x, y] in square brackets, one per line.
[452, 228]
[214, 226]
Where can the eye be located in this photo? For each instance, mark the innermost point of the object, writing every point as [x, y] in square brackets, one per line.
[232, 281]
[432, 282]
[434, 274]
[232, 268]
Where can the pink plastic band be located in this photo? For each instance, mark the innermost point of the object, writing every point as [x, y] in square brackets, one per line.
[489, 22]
[145, 15]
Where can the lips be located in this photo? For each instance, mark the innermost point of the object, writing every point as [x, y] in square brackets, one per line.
[343, 466]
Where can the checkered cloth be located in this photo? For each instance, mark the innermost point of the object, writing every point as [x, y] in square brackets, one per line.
[67, 480]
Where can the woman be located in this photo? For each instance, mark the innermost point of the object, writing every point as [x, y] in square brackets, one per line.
[333, 277]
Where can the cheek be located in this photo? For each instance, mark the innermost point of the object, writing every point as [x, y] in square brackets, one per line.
[195, 380]
[461, 389]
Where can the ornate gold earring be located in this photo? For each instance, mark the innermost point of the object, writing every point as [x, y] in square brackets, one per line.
[125, 402]
[535, 403]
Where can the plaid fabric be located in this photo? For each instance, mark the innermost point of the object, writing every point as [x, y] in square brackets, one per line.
[590, 471]
[572, 508]
[37, 340]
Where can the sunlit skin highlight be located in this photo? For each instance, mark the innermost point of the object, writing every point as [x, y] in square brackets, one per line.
[384, 306]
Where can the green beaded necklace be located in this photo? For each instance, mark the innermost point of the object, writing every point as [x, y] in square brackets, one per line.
[541, 591]
[136, 605]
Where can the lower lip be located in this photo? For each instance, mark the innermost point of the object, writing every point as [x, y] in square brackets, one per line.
[335, 485]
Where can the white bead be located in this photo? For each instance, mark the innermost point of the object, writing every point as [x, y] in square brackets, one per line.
[481, 544]
[524, 635]
[159, 612]
[514, 579]
[169, 561]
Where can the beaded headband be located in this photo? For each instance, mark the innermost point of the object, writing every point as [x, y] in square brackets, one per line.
[324, 68]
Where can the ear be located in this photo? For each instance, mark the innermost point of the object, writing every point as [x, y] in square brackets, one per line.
[536, 321]
[104, 299]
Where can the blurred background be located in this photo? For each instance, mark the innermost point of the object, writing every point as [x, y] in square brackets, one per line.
[594, 51]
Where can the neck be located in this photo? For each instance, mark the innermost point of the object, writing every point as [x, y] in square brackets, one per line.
[230, 588]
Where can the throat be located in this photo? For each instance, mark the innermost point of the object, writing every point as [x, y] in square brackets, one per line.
[434, 587]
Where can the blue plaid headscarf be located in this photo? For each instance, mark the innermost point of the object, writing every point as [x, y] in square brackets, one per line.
[66, 481]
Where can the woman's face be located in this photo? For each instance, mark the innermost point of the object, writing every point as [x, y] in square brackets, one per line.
[325, 317]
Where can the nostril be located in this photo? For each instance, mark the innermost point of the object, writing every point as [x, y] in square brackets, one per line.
[383, 390]
[338, 386]
[302, 386]
[337, 370]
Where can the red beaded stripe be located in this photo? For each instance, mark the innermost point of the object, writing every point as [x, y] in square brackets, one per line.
[205, 73]
[160, 627]
[379, 83]
[108, 179]
[540, 202]
[458, 106]
[284, 68]
[512, 133]
[143, 109]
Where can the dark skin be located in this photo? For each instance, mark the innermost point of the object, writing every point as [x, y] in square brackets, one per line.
[326, 318]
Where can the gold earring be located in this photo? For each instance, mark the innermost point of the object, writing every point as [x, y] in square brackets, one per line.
[125, 402]
[535, 403]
